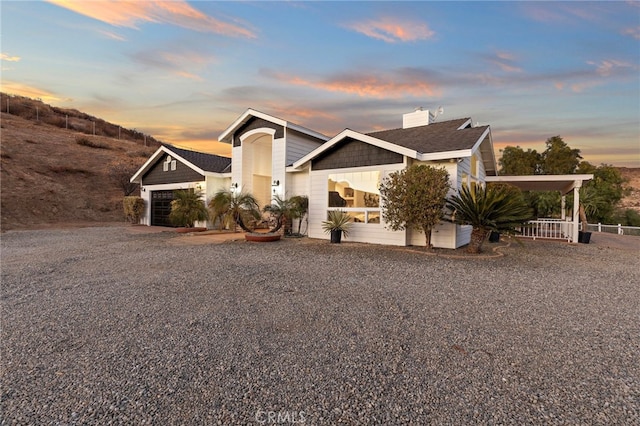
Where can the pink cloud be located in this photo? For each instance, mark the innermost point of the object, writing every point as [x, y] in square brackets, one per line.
[131, 13]
[366, 85]
[392, 30]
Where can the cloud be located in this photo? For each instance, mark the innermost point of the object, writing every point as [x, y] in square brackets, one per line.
[392, 30]
[397, 83]
[8, 58]
[112, 36]
[633, 32]
[611, 66]
[131, 13]
[173, 61]
[15, 88]
[504, 60]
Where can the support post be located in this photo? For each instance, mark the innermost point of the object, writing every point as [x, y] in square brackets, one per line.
[576, 212]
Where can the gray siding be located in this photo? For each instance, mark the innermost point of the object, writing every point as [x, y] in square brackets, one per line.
[183, 173]
[353, 153]
[257, 123]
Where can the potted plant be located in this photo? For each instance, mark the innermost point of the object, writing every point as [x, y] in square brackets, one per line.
[188, 207]
[337, 223]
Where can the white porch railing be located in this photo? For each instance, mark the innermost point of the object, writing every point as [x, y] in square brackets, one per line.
[554, 229]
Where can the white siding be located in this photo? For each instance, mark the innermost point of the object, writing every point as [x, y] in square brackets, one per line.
[358, 232]
[278, 166]
[236, 165]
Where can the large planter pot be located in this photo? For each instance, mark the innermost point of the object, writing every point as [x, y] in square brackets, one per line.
[260, 237]
[336, 236]
[193, 229]
[584, 237]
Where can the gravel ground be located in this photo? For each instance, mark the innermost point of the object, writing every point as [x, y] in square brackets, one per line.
[101, 326]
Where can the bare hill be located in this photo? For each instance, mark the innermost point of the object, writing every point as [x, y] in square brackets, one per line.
[51, 175]
[632, 200]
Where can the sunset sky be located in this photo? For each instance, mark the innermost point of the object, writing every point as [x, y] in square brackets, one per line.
[183, 71]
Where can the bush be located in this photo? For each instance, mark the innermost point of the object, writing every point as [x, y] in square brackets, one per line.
[91, 144]
[133, 208]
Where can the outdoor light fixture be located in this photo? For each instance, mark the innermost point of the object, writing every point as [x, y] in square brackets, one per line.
[234, 186]
[276, 183]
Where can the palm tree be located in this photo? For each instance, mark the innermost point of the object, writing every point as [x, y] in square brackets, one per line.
[281, 210]
[234, 207]
[499, 208]
[187, 207]
[300, 208]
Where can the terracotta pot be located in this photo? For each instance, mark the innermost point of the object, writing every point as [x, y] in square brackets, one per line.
[262, 237]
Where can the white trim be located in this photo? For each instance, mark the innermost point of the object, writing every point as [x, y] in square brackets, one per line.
[348, 133]
[445, 155]
[465, 124]
[266, 130]
[163, 149]
[563, 183]
[252, 112]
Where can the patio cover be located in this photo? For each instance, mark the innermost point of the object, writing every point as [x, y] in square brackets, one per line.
[562, 183]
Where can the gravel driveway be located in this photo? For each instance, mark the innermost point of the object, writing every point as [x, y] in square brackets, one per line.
[101, 326]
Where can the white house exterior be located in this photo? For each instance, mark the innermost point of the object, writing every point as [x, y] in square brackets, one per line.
[271, 156]
[170, 169]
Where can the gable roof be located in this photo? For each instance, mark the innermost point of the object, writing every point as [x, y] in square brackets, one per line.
[436, 141]
[227, 134]
[205, 164]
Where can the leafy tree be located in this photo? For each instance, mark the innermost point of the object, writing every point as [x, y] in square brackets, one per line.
[498, 208]
[414, 198]
[559, 158]
[601, 195]
[234, 207]
[187, 207]
[517, 162]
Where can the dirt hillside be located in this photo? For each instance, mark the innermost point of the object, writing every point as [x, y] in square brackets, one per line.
[53, 175]
[632, 175]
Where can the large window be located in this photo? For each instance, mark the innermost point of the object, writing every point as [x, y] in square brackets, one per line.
[357, 194]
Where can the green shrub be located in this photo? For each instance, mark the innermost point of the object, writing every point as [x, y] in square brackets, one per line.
[133, 208]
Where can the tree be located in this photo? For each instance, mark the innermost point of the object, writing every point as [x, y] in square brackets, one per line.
[602, 194]
[119, 173]
[235, 207]
[559, 158]
[187, 207]
[499, 208]
[282, 210]
[414, 198]
[300, 209]
[517, 162]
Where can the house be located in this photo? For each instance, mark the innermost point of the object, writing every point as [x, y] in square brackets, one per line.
[272, 156]
[171, 168]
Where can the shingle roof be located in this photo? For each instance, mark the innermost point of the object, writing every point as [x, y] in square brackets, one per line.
[207, 162]
[435, 137]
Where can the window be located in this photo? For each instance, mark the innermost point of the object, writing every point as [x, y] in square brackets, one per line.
[357, 194]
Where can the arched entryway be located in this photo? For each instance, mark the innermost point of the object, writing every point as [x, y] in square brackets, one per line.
[257, 148]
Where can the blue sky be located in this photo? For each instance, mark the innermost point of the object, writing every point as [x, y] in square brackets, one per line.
[183, 71]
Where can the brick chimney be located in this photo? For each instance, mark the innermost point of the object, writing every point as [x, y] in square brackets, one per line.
[417, 118]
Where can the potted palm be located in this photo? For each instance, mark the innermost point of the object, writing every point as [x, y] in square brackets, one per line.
[499, 208]
[337, 224]
[187, 208]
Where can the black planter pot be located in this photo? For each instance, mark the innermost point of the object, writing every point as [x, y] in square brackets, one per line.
[336, 236]
[494, 237]
[584, 237]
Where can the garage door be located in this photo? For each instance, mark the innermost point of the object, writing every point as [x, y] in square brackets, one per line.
[161, 207]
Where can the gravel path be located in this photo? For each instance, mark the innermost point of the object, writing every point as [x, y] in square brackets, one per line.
[101, 326]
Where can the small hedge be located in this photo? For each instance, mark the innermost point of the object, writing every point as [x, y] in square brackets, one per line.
[133, 208]
[91, 144]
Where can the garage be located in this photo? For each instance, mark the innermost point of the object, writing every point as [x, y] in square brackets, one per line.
[161, 207]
